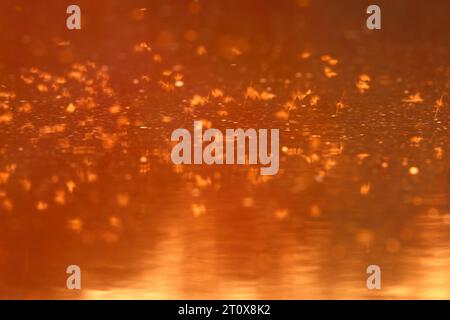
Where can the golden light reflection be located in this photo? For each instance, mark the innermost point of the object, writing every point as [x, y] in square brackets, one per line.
[86, 175]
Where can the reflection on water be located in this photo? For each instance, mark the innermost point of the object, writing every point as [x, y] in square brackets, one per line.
[86, 176]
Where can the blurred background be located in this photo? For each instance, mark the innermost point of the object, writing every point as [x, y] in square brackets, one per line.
[85, 170]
